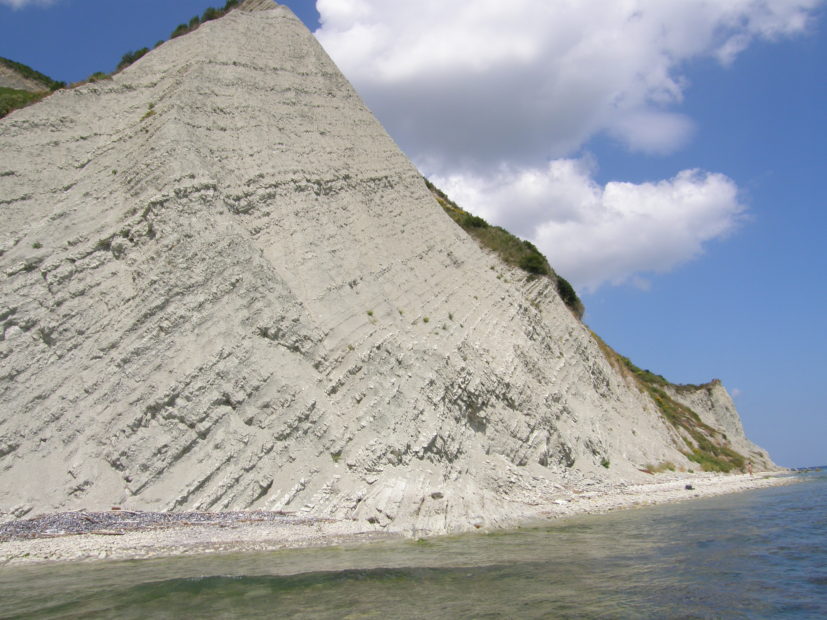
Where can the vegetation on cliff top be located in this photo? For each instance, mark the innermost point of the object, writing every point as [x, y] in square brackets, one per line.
[27, 72]
[511, 249]
[181, 29]
[705, 445]
[12, 98]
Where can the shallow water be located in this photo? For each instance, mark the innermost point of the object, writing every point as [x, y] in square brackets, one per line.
[757, 554]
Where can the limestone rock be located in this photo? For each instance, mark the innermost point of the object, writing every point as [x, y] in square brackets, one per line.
[222, 285]
[11, 78]
[714, 405]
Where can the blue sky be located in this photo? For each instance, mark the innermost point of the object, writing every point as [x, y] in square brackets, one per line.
[666, 160]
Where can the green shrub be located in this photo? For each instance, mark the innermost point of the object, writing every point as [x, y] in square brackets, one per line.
[473, 221]
[130, 57]
[27, 72]
[209, 14]
[12, 98]
[569, 296]
[180, 29]
[511, 249]
[533, 262]
[706, 445]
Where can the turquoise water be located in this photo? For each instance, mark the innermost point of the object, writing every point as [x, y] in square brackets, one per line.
[760, 554]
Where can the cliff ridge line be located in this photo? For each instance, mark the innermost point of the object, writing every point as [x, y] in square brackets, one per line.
[223, 286]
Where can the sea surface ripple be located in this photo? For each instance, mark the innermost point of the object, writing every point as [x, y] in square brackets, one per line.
[757, 554]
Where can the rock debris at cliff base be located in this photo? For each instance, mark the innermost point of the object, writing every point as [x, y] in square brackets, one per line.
[223, 287]
[119, 522]
[69, 537]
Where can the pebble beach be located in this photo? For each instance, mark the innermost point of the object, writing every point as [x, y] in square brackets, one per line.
[128, 534]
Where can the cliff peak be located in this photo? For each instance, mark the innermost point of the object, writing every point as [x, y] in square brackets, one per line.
[257, 5]
[222, 285]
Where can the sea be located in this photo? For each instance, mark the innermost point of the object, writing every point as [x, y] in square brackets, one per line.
[756, 554]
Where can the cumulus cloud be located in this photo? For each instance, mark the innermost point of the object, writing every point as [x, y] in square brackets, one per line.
[595, 234]
[483, 95]
[488, 81]
[492, 99]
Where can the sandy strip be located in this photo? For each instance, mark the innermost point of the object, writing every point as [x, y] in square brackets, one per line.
[249, 535]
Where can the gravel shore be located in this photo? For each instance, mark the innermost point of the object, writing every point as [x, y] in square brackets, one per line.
[127, 534]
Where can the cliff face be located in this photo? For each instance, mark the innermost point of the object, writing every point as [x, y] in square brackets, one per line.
[224, 286]
[12, 78]
[714, 405]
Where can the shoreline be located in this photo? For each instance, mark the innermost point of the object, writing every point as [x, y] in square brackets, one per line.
[130, 535]
[663, 489]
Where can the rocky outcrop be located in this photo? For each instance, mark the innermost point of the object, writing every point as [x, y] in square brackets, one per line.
[224, 286]
[10, 78]
[714, 405]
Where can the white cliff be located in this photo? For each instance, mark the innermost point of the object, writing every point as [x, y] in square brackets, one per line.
[222, 285]
[715, 407]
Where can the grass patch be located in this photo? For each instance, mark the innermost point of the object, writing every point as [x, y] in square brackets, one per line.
[12, 99]
[208, 15]
[511, 249]
[705, 445]
[29, 73]
[661, 467]
[149, 112]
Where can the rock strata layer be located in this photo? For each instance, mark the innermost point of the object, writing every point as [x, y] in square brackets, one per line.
[223, 286]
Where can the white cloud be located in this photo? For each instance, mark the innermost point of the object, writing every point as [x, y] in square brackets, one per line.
[594, 235]
[475, 91]
[653, 132]
[489, 81]
[19, 4]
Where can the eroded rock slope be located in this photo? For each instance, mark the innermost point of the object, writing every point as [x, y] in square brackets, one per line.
[224, 286]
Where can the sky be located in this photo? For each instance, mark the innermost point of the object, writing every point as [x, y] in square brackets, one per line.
[666, 155]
